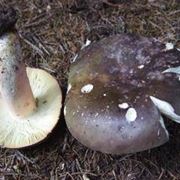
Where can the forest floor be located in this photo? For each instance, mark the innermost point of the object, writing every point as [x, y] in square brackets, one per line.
[52, 33]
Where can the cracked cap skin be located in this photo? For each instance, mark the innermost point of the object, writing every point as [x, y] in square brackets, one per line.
[118, 88]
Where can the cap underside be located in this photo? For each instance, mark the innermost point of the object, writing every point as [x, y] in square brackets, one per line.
[17, 133]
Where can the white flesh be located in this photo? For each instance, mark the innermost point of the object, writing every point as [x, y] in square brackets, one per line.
[17, 133]
[166, 109]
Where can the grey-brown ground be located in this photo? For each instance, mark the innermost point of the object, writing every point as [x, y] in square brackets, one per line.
[52, 32]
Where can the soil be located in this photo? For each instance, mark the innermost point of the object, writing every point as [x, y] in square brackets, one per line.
[52, 33]
[7, 19]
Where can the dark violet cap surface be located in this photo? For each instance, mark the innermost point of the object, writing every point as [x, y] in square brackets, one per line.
[118, 88]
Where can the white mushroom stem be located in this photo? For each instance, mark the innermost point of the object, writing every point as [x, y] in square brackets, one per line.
[14, 84]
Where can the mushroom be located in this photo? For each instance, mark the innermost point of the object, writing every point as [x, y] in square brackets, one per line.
[30, 98]
[118, 88]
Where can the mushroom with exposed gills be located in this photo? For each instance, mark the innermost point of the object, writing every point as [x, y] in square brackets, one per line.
[30, 98]
[118, 88]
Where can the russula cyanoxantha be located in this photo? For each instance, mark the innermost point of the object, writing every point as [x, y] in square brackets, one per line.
[118, 88]
[30, 99]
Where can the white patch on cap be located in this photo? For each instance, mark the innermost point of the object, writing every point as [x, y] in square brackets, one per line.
[163, 126]
[87, 88]
[88, 42]
[69, 88]
[123, 105]
[173, 70]
[141, 66]
[64, 110]
[169, 46]
[131, 115]
[97, 114]
[166, 109]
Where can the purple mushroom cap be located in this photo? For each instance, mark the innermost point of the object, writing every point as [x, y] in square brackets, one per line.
[118, 89]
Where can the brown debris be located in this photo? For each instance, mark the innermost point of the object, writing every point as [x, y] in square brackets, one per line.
[53, 31]
[8, 18]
